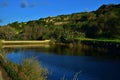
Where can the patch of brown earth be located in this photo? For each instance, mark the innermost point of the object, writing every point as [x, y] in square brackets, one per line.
[4, 75]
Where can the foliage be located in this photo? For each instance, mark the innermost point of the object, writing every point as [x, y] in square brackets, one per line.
[102, 23]
[31, 69]
[11, 72]
[7, 33]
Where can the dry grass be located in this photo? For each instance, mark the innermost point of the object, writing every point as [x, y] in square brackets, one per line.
[75, 77]
[30, 69]
[44, 43]
[25, 42]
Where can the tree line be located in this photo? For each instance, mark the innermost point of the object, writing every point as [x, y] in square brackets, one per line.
[102, 23]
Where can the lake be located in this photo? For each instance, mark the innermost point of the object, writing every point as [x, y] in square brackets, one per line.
[69, 62]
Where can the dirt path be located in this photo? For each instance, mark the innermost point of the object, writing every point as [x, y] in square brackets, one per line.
[1, 78]
[4, 75]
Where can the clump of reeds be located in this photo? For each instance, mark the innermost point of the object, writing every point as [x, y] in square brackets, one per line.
[75, 77]
[31, 69]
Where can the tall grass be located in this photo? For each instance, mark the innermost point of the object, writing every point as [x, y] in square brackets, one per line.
[30, 69]
[0, 44]
[75, 77]
[10, 71]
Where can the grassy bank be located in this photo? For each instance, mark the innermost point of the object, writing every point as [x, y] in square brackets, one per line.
[116, 41]
[10, 71]
[100, 40]
[110, 43]
[29, 69]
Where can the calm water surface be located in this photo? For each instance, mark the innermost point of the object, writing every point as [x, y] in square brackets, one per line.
[65, 62]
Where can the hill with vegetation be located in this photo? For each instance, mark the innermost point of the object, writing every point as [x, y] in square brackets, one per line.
[103, 23]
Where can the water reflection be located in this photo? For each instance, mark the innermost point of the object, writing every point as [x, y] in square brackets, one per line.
[83, 50]
[65, 61]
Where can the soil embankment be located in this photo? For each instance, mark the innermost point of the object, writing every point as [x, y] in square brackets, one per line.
[3, 74]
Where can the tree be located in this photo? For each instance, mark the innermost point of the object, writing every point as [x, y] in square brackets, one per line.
[113, 27]
[7, 33]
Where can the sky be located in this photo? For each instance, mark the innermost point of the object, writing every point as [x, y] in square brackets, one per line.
[26, 10]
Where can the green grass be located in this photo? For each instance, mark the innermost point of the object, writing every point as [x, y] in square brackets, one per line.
[10, 71]
[99, 40]
[30, 69]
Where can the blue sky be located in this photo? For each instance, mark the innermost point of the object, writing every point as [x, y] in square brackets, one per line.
[25, 10]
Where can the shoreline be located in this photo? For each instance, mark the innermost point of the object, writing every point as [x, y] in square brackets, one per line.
[26, 45]
[47, 43]
[27, 41]
[5, 42]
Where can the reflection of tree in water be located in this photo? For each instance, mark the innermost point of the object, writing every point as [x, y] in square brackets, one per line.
[75, 50]
[84, 50]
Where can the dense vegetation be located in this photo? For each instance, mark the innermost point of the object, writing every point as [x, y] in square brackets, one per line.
[29, 69]
[102, 23]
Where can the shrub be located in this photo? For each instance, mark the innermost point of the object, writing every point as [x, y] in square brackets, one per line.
[30, 69]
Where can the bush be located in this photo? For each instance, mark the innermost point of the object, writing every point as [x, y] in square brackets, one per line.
[30, 69]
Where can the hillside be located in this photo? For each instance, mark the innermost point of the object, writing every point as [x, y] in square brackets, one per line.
[102, 23]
